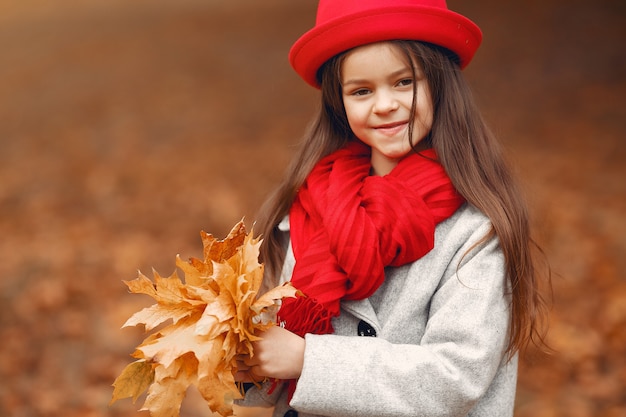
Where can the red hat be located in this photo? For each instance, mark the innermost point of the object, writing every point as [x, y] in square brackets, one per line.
[345, 24]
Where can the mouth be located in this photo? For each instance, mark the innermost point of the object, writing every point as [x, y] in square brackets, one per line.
[391, 128]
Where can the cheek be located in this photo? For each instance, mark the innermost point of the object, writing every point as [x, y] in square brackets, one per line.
[424, 112]
[426, 118]
[354, 115]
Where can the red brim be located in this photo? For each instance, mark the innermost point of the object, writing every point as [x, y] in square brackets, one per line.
[427, 24]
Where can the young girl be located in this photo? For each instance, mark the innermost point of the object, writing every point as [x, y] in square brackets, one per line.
[398, 220]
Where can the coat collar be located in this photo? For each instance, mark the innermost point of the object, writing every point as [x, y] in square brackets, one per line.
[362, 310]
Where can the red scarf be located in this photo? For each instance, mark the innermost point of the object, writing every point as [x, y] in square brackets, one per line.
[347, 226]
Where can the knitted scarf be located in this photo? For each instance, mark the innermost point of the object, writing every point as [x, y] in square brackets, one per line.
[347, 226]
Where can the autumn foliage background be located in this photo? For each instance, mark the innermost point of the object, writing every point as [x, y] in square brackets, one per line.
[126, 127]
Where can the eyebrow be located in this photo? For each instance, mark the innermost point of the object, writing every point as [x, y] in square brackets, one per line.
[392, 75]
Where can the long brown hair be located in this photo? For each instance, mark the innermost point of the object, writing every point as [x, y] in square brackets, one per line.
[468, 151]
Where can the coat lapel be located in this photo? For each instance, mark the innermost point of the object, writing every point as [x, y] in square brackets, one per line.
[362, 310]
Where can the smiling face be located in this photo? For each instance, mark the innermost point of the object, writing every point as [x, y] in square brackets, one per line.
[377, 90]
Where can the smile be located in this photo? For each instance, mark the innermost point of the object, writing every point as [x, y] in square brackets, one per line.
[391, 128]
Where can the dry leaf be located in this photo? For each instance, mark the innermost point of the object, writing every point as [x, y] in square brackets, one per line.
[214, 314]
[134, 380]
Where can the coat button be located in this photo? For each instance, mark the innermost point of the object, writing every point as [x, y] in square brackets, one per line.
[365, 329]
[291, 413]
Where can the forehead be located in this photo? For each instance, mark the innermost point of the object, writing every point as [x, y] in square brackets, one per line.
[376, 51]
[375, 58]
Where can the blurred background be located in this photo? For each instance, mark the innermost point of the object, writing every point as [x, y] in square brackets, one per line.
[128, 127]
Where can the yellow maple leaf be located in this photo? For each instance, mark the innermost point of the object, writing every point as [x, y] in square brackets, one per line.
[213, 315]
[167, 392]
[133, 380]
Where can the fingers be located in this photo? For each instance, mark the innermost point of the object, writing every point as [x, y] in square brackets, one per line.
[248, 376]
[279, 354]
[245, 361]
[244, 376]
[247, 370]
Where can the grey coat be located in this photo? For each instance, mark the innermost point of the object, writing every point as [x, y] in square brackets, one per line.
[441, 326]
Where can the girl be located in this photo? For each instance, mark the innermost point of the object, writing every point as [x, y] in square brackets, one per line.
[398, 220]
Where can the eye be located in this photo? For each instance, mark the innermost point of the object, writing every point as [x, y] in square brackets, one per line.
[360, 92]
[405, 82]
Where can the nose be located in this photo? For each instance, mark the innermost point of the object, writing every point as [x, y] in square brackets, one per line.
[385, 102]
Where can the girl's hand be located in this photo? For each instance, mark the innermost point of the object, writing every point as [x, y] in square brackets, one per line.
[280, 355]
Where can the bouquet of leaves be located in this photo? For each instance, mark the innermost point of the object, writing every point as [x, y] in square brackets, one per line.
[214, 315]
